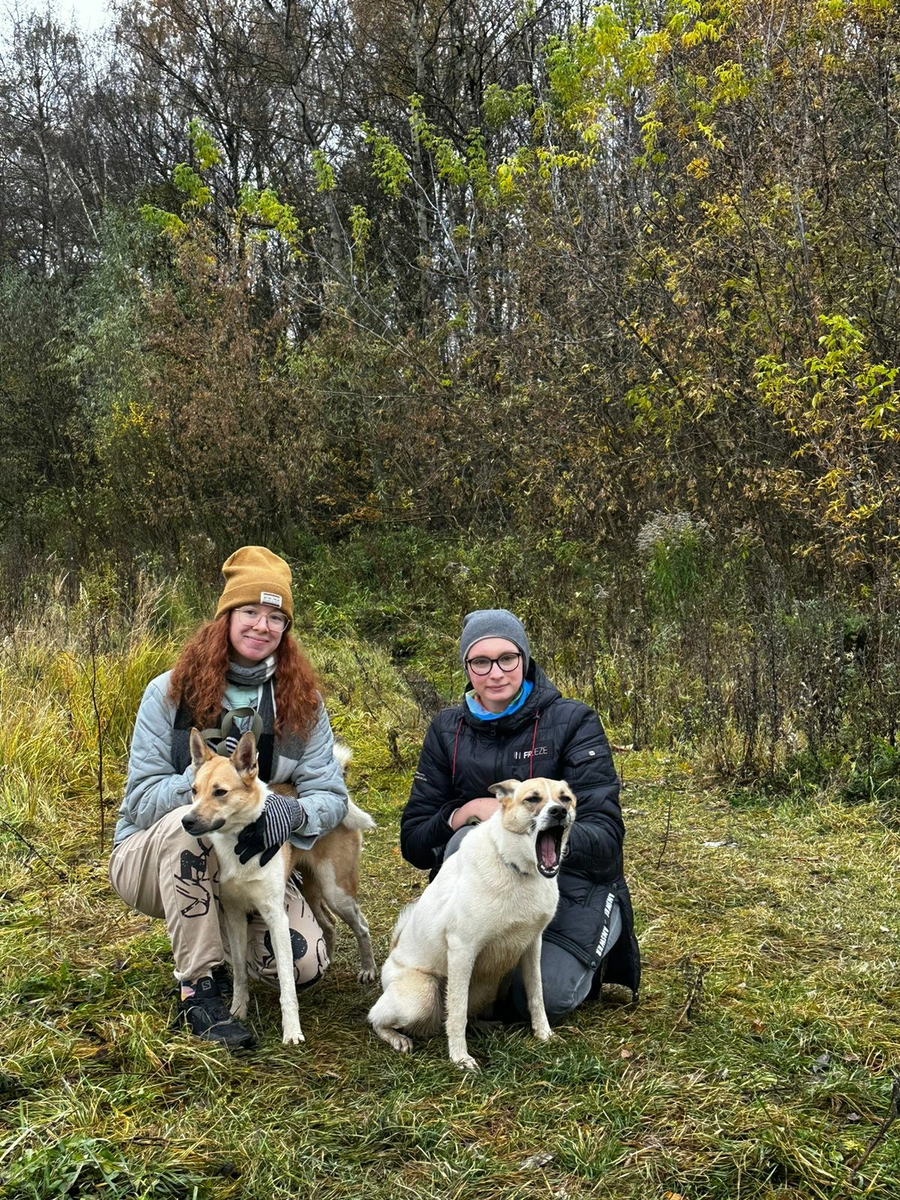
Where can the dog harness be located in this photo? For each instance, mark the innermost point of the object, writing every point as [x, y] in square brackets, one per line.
[234, 724]
[231, 725]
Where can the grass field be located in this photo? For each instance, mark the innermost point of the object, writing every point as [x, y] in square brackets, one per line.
[759, 1063]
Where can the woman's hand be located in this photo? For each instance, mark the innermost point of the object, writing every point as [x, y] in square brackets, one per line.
[481, 808]
[280, 817]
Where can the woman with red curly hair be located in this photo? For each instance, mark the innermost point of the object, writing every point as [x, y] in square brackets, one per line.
[240, 671]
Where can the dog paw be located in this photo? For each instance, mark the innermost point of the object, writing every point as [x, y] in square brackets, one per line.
[401, 1043]
[466, 1062]
[239, 1009]
[367, 976]
[293, 1038]
[544, 1035]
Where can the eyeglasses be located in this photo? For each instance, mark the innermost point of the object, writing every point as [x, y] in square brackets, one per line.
[252, 616]
[482, 665]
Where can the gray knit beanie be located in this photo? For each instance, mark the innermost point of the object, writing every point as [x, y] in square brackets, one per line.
[493, 622]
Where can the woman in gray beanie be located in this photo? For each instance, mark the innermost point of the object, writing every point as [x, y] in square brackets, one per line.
[513, 724]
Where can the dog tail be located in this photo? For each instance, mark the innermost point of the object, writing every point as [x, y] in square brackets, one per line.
[355, 819]
[358, 820]
[342, 753]
[402, 917]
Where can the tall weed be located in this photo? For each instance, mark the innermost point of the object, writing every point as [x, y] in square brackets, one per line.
[71, 677]
[694, 643]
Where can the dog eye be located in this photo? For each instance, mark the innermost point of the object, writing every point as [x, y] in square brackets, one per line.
[193, 790]
[532, 799]
[220, 791]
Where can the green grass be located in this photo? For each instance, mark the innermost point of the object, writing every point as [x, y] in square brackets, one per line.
[758, 1064]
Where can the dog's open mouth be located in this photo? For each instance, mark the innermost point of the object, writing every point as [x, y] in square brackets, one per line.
[549, 850]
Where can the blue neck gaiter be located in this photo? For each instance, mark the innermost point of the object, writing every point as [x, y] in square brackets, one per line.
[477, 708]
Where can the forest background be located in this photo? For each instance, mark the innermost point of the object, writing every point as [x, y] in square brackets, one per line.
[587, 311]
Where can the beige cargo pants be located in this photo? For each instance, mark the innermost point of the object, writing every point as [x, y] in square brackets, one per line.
[166, 873]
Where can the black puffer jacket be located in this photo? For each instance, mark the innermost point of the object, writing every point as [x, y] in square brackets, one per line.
[462, 756]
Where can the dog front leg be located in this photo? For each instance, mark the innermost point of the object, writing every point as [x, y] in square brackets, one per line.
[276, 919]
[530, 965]
[236, 923]
[460, 961]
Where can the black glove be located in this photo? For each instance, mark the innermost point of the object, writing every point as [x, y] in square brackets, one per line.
[271, 829]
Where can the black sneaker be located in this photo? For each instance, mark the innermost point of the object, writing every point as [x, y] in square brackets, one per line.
[208, 1017]
[222, 979]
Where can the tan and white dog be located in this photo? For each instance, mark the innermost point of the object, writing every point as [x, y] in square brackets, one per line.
[483, 914]
[228, 795]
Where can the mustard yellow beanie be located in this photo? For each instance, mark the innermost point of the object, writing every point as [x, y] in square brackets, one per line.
[254, 575]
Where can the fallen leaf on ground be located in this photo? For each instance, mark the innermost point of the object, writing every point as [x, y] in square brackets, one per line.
[537, 1160]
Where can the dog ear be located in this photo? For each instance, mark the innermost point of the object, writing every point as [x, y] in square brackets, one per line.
[200, 751]
[505, 789]
[244, 755]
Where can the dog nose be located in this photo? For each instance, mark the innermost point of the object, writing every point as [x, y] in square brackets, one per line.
[189, 822]
[558, 812]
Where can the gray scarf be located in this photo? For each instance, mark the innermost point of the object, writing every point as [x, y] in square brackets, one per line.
[253, 676]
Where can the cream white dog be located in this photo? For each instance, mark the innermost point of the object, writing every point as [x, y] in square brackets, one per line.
[483, 914]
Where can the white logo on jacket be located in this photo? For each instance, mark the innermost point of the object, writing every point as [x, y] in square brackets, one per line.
[604, 938]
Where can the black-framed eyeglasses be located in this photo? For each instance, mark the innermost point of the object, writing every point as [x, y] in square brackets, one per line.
[481, 665]
[251, 616]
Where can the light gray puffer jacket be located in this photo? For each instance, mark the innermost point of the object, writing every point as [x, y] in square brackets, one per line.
[153, 786]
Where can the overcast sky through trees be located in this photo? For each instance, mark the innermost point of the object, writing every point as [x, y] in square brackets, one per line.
[87, 14]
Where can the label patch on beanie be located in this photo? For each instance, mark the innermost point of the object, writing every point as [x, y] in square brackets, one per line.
[270, 598]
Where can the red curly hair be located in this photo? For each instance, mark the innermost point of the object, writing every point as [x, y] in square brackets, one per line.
[198, 679]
